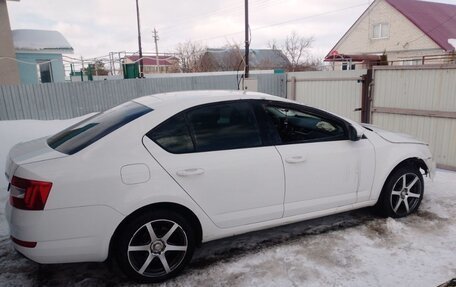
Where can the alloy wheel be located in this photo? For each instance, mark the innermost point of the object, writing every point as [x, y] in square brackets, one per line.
[406, 194]
[157, 248]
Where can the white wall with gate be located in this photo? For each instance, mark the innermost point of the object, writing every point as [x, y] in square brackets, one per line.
[334, 91]
[421, 101]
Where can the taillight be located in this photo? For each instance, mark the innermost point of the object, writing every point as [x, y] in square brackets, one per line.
[29, 244]
[29, 194]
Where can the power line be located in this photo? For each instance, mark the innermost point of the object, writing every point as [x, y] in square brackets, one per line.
[199, 16]
[234, 9]
[286, 22]
[29, 63]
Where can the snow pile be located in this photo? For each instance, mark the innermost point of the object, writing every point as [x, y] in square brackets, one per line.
[349, 249]
[13, 132]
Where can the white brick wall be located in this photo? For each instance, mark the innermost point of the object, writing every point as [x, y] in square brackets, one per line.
[405, 39]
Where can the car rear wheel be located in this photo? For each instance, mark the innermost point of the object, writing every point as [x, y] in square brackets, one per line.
[402, 192]
[155, 246]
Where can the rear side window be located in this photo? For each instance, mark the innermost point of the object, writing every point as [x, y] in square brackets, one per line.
[85, 133]
[209, 128]
[173, 135]
[224, 126]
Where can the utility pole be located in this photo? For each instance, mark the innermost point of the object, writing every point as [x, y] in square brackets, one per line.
[120, 65]
[82, 69]
[247, 40]
[156, 50]
[141, 71]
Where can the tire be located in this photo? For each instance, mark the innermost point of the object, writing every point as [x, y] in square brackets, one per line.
[402, 192]
[155, 246]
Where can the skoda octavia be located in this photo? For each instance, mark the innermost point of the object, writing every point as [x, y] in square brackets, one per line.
[148, 181]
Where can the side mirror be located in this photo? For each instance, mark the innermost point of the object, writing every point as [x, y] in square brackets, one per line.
[355, 133]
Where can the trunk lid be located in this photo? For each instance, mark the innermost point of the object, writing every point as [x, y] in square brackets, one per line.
[29, 152]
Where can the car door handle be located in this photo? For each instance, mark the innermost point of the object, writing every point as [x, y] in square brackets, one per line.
[296, 159]
[190, 172]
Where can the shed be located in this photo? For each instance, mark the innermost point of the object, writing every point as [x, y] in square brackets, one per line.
[39, 53]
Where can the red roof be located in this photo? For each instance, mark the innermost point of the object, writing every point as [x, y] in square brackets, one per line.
[152, 60]
[437, 20]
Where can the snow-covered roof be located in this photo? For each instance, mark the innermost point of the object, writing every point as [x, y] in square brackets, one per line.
[43, 41]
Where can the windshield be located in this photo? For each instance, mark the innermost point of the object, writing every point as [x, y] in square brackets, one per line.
[85, 133]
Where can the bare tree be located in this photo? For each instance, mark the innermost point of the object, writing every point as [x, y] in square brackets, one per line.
[99, 68]
[311, 63]
[233, 58]
[190, 54]
[273, 44]
[296, 49]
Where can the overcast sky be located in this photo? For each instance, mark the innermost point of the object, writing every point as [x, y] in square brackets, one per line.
[97, 27]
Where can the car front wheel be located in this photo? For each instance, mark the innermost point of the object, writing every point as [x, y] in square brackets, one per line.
[402, 192]
[155, 246]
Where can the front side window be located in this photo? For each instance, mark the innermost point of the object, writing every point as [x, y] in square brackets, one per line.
[85, 133]
[224, 126]
[380, 31]
[295, 126]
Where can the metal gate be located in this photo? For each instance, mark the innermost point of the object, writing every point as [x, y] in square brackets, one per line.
[421, 101]
[340, 92]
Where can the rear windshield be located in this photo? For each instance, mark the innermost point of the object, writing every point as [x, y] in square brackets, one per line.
[85, 133]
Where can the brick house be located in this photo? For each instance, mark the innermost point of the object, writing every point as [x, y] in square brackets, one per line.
[408, 32]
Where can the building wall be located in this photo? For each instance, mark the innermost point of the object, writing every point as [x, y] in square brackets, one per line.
[405, 39]
[29, 73]
[9, 73]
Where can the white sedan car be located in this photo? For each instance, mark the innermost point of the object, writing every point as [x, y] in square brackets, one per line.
[149, 180]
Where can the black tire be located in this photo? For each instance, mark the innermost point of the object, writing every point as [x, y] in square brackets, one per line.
[399, 200]
[143, 258]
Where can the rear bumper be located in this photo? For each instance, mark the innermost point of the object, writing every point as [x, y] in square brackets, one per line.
[65, 235]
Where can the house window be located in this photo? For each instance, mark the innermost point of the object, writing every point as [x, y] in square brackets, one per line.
[380, 31]
[44, 70]
[411, 62]
[348, 66]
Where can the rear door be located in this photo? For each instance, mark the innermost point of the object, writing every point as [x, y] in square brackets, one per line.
[216, 154]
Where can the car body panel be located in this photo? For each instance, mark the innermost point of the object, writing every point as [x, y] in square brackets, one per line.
[96, 178]
[226, 189]
[313, 185]
[394, 137]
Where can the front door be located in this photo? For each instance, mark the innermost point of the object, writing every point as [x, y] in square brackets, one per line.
[323, 168]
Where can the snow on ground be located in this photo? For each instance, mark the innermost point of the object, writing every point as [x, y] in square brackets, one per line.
[350, 249]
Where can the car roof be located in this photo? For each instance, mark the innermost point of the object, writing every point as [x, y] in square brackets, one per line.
[186, 99]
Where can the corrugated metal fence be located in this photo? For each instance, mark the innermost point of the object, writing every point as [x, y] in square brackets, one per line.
[68, 100]
[418, 100]
[335, 91]
[421, 101]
